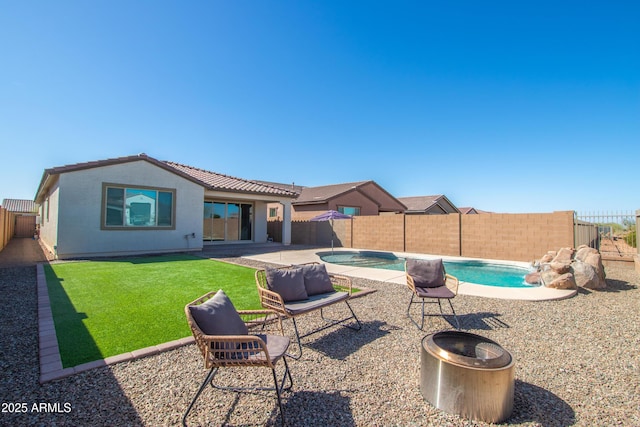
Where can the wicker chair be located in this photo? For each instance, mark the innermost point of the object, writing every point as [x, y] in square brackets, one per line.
[229, 343]
[316, 299]
[428, 280]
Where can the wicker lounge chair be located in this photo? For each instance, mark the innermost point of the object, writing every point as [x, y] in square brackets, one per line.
[222, 336]
[428, 280]
[301, 289]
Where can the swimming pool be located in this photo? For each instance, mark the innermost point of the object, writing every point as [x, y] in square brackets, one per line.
[472, 271]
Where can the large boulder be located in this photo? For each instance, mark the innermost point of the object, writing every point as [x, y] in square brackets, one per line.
[548, 257]
[584, 265]
[533, 278]
[564, 255]
[563, 281]
[560, 267]
[595, 260]
[586, 276]
[548, 275]
[583, 251]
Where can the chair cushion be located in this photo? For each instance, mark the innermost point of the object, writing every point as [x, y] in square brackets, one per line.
[218, 316]
[426, 273]
[277, 345]
[289, 283]
[439, 292]
[316, 301]
[316, 279]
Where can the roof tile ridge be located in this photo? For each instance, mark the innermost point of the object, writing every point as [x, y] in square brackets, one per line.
[250, 181]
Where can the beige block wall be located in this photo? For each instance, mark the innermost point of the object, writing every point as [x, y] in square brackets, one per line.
[518, 237]
[379, 232]
[433, 234]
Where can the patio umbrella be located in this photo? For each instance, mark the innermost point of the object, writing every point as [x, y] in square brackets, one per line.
[330, 216]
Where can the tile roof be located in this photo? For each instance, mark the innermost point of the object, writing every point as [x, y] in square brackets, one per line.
[290, 187]
[217, 181]
[19, 205]
[420, 203]
[326, 192]
[209, 180]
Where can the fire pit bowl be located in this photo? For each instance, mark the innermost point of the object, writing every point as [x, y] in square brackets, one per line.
[468, 375]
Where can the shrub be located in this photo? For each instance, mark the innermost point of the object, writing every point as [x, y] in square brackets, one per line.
[630, 238]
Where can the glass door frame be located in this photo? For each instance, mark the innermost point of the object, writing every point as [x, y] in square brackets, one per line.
[240, 216]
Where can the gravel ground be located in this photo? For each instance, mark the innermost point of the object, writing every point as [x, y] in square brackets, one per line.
[577, 363]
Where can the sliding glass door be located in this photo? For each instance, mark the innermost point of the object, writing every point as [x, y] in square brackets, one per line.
[226, 221]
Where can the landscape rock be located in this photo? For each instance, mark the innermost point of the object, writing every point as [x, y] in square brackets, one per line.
[583, 251]
[560, 267]
[564, 281]
[548, 275]
[586, 275]
[584, 264]
[533, 278]
[595, 260]
[564, 255]
[548, 257]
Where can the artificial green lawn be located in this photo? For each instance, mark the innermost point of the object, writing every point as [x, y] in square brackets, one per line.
[105, 308]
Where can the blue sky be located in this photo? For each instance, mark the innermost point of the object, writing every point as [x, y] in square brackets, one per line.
[504, 106]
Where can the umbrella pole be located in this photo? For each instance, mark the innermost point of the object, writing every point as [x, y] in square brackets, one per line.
[331, 237]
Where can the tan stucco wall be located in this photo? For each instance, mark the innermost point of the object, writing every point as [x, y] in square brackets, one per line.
[80, 204]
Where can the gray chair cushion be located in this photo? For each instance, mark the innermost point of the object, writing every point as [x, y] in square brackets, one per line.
[426, 273]
[277, 345]
[316, 301]
[289, 283]
[316, 279]
[439, 292]
[218, 316]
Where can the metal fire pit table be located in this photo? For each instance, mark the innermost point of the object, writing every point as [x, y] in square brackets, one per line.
[468, 375]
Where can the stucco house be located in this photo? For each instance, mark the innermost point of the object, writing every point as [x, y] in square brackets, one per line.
[138, 204]
[429, 205]
[351, 198]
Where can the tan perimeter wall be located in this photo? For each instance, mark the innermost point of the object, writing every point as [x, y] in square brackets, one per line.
[518, 237]
[385, 232]
[515, 237]
[433, 234]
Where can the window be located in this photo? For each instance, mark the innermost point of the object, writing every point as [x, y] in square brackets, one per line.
[139, 207]
[273, 212]
[349, 210]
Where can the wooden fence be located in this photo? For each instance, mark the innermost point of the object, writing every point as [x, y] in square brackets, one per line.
[7, 226]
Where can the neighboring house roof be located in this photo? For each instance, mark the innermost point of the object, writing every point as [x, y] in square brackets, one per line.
[210, 180]
[20, 206]
[322, 194]
[421, 204]
[467, 210]
[325, 193]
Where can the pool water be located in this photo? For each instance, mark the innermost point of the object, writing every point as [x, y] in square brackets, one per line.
[478, 272]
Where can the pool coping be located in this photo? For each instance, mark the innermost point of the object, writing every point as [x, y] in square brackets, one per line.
[398, 277]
